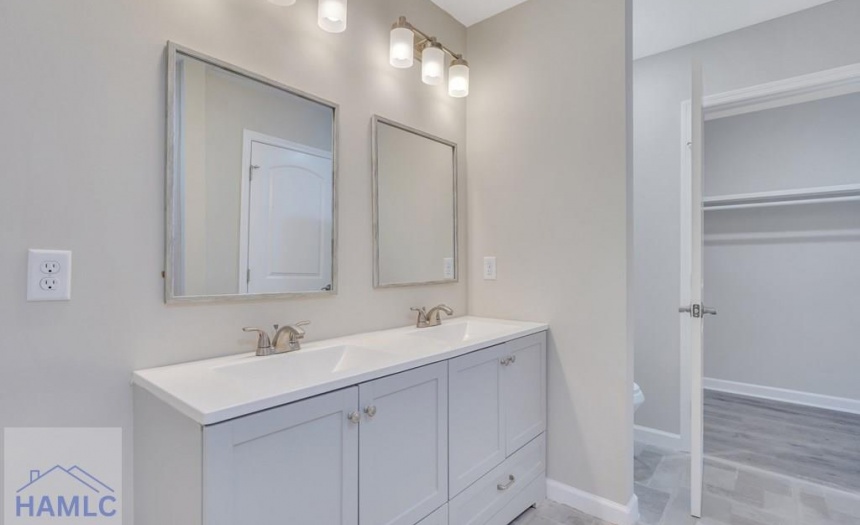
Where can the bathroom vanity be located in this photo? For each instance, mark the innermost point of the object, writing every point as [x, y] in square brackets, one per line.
[442, 425]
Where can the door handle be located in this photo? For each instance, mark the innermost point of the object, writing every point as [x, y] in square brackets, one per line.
[354, 418]
[697, 310]
[370, 410]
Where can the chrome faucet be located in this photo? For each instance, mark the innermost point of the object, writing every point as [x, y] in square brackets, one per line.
[294, 336]
[267, 346]
[431, 317]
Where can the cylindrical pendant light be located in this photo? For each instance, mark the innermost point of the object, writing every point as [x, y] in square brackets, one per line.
[402, 44]
[458, 78]
[433, 63]
[283, 3]
[332, 15]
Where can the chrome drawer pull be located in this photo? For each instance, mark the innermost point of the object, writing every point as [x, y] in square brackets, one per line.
[506, 486]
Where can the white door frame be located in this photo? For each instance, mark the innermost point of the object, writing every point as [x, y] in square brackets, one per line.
[249, 137]
[797, 90]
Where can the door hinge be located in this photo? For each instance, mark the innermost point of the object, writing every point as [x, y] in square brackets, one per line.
[248, 275]
[251, 171]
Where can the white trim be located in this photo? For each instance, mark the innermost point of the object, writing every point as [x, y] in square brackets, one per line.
[658, 438]
[686, 256]
[796, 90]
[593, 505]
[840, 404]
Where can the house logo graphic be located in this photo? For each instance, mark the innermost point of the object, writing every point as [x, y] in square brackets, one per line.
[62, 475]
[65, 493]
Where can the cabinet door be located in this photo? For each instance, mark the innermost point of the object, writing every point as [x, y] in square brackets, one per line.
[403, 451]
[476, 416]
[292, 464]
[525, 390]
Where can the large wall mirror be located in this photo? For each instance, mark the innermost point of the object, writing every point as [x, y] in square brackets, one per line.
[251, 185]
[414, 206]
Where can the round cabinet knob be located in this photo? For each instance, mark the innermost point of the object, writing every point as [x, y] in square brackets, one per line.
[370, 410]
[354, 417]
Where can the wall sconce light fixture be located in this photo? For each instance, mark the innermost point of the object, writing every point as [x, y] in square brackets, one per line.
[404, 46]
[331, 15]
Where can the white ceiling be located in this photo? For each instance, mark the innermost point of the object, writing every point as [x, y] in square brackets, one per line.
[470, 12]
[661, 25]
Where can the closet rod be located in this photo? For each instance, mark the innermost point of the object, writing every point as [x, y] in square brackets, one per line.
[768, 204]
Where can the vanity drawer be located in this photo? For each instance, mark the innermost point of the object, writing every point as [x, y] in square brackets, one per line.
[479, 503]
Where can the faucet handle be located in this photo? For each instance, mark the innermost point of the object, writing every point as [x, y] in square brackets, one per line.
[422, 317]
[263, 341]
[298, 326]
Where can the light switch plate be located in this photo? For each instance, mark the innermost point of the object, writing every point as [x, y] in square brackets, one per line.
[489, 268]
[49, 275]
[448, 267]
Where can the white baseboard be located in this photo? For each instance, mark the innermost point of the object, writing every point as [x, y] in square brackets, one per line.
[596, 506]
[840, 404]
[657, 438]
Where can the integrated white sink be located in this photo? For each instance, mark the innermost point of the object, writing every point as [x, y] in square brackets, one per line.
[303, 366]
[462, 331]
[216, 390]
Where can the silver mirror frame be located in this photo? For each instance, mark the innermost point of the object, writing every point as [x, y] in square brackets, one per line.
[173, 50]
[377, 120]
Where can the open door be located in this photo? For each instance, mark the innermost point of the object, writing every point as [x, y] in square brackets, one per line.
[696, 309]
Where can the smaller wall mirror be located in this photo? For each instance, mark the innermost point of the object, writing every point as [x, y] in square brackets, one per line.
[251, 185]
[414, 206]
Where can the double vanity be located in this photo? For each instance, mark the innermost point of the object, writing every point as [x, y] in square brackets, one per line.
[438, 425]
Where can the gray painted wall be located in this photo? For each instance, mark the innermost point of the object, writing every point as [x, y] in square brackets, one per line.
[783, 278]
[820, 38]
[548, 185]
[82, 162]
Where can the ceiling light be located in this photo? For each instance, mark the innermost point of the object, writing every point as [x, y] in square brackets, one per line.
[332, 15]
[458, 78]
[402, 54]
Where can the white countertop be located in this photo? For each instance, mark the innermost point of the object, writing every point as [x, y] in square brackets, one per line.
[215, 390]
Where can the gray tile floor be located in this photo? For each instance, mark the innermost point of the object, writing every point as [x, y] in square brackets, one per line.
[767, 463]
[734, 494]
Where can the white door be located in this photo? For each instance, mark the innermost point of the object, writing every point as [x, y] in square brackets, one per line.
[403, 449]
[292, 464]
[476, 416]
[696, 309]
[289, 220]
[524, 397]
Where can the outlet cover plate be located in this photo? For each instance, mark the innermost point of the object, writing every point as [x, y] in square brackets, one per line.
[49, 265]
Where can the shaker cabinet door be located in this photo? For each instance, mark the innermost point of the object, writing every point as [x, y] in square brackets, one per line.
[293, 464]
[525, 391]
[476, 416]
[404, 446]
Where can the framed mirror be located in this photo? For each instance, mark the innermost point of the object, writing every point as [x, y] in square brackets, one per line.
[414, 207]
[251, 185]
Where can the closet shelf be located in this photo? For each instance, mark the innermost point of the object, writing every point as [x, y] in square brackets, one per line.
[823, 194]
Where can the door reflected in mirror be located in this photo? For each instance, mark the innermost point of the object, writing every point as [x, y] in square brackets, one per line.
[251, 183]
[414, 205]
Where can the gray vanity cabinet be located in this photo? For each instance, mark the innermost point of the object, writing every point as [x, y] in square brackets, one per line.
[496, 436]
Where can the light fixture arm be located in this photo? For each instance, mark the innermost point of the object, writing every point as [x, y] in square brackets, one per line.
[425, 39]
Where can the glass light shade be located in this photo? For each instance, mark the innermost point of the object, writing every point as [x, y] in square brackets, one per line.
[458, 79]
[402, 47]
[433, 65]
[332, 15]
[283, 3]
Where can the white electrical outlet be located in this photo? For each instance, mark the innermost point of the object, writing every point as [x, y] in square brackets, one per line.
[489, 268]
[49, 275]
